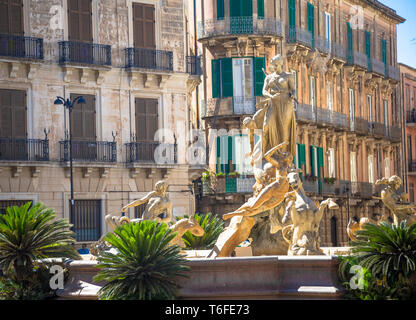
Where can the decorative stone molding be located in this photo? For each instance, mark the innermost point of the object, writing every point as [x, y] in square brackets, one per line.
[104, 172]
[134, 172]
[149, 80]
[86, 172]
[68, 172]
[136, 79]
[83, 75]
[35, 171]
[150, 172]
[31, 70]
[353, 75]
[67, 73]
[16, 171]
[163, 79]
[13, 69]
[166, 173]
[100, 74]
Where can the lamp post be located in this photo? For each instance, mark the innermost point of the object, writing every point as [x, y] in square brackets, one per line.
[68, 104]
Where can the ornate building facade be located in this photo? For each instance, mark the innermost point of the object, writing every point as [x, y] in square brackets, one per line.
[133, 64]
[344, 56]
[408, 104]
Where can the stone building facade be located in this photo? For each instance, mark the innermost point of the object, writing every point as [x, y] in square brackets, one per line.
[408, 104]
[133, 64]
[344, 55]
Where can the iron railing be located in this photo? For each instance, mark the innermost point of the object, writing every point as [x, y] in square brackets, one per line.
[193, 65]
[412, 166]
[84, 53]
[151, 152]
[298, 35]
[326, 117]
[86, 220]
[339, 120]
[239, 25]
[360, 126]
[378, 129]
[305, 112]
[24, 149]
[395, 134]
[377, 66]
[338, 51]
[323, 116]
[149, 59]
[357, 58]
[411, 116]
[228, 106]
[366, 190]
[89, 151]
[21, 47]
[322, 44]
[393, 73]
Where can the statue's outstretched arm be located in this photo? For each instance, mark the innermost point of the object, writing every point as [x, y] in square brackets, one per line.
[138, 202]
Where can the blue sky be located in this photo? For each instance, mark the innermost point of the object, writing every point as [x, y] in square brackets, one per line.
[406, 32]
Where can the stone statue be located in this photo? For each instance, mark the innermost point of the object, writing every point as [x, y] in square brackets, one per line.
[183, 225]
[397, 202]
[158, 207]
[303, 232]
[276, 114]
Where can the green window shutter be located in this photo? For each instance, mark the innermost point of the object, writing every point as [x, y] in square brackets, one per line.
[260, 9]
[247, 8]
[218, 154]
[302, 157]
[259, 76]
[368, 47]
[292, 20]
[216, 78]
[320, 152]
[384, 51]
[311, 20]
[235, 8]
[313, 162]
[227, 77]
[220, 9]
[230, 157]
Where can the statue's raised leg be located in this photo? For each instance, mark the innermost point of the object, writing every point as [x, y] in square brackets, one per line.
[238, 231]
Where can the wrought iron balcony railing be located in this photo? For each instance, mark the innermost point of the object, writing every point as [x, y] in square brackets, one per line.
[239, 25]
[322, 44]
[151, 152]
[149, 59]
[84, 53]
[89, 151]
[228, 106]
[378, 129]
[393, 73]
[305, 112]
[366, 190]
[339, 120]
[360, 126]
[21, 47]
[395, 134]
[24, 149]
[193, 65]
[323, 116]
[377, 66]
[298, 35]
[357, 58]
[412, 166]
[338, 51]
[411, 116]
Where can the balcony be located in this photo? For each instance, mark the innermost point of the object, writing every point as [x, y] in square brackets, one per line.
[355, 58]
[89, 151]
[305, 112]
[193, 65]
[24, 149]
[84, 53]
[299, 36]
[366, 190]
[360, 126]
[322, 44]
[412, 167]
[21, 47]
[393, 73]
[411, 117]
[229, 106]
[395, 134]
[323, 116]
[151, 59]
[377, 66]
[339, 120]
[239, 26]
[378, 129]
[151, 152]
[338, 51]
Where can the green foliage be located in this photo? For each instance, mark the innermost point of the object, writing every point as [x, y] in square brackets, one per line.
[212, 225]
[206, 175]
[28, 235]
[233, 174]
[330, 180]
[386, 256]
[145, 266]
[220, 174]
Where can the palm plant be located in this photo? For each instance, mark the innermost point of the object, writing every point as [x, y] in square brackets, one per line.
[213, 227]
[30, 234]
[387, 251]
[145, 265]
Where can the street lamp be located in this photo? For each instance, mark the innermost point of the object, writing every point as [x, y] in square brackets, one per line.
[69, 105]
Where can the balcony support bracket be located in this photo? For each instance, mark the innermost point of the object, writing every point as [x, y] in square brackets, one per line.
[16, 171]
[13, 69]
[150, 172]
[86, 172]
[104, 172]
[134, 172]
[35, 172]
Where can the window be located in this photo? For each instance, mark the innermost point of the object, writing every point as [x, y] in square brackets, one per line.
[386, 167]
[220, 9]
[312, 91]
[260, 9]
[144, 26]
[334, 235]
[79, 21]
[311, 21]
[146, 119]
[139, 210]
[10, 203]
[83, 118]
[11, 17]
[13, 118]
[368, 47]
[370, 108]
[238, 9]
[317, 161]
[328, 27]
[411, 192]
[351, 103]
[329, 95]
[331, 162]
[86, 219]
[409, 148]
[296, 81]
[224, 154]
[243, 90]
[242, 147]
[371, 169]
[353, 174]
[350, 44]
[300, 157]
[292, 20]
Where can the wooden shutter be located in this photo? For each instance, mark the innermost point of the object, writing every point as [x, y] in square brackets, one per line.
[259, 76]
[79, 20]
[260, 9]
[216, 78]
[13, 114]
[320, 156]
[246, 8]
[227, 77]
[292, 13]
[368, 48]
[11, 17]
[302, 157]
[349, 38]
[4, 16]
[146, 119]
[220, 9]
[144, 26]
[235, 8]
[229, 166]
[83, 119]
[311, 21]
[313, 160]
[218, 154]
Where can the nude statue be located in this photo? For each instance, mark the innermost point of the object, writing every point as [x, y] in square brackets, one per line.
[158, 207]
[302, 234]
[397, 202]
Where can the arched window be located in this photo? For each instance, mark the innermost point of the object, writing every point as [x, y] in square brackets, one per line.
[334, 236]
